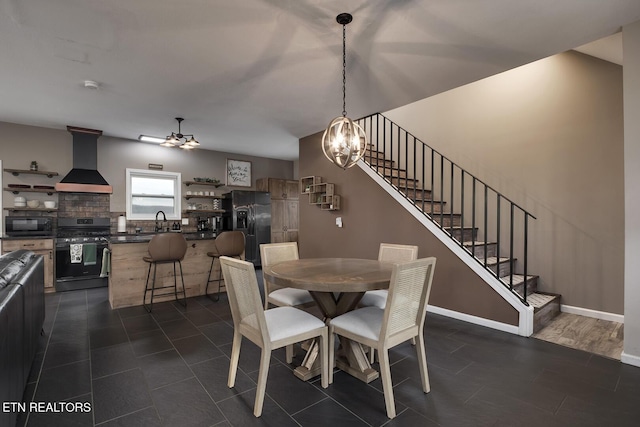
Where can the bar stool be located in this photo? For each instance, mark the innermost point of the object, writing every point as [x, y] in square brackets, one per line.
[228, 243]
[165, 248]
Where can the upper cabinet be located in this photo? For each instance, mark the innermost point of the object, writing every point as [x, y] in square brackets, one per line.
[284, 208]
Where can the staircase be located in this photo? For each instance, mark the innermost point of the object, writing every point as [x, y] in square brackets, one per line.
[467, 210]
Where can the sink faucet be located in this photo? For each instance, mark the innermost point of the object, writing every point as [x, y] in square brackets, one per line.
[164, 219]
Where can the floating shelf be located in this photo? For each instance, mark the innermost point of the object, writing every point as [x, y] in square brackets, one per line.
[31, 209]
[29, 190]
[320, 193]
[204, 211]
[17, 172]
[188, 183]
[193, 196]
[307, 182]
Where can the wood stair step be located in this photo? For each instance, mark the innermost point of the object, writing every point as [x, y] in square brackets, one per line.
[518, 283]
[546, 306]
[478, 248]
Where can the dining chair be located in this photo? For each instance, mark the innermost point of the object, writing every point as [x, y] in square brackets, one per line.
[280, 296]
[401, 319]
[273, 253]
[268, 329]
[388, 252]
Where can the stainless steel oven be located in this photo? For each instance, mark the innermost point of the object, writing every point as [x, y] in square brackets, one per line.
[81, 245]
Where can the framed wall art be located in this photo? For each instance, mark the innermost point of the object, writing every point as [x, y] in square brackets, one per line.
[238, 173]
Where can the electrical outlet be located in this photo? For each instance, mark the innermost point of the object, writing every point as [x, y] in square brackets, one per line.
[339, 222]
[185, 221]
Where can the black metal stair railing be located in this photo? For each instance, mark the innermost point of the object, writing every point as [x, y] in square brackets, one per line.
[462, 205]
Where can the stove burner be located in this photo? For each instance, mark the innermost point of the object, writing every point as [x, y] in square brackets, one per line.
[82, 229]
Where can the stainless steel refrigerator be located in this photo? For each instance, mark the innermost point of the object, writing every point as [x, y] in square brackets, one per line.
[249, 212]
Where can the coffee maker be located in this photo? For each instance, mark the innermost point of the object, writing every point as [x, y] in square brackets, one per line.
[203, 224]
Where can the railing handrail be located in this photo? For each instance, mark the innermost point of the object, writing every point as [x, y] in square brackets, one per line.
[451, 229]
[452, 162]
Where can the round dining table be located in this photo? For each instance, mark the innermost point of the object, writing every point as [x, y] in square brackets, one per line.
[336, 285]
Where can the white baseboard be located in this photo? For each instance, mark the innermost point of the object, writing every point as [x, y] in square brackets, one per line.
[473, 319]
[630, 359]
[603, 315]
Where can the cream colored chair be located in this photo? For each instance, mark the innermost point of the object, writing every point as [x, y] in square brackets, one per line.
[270, 329]
[401, 319]
[273, 253]
[390, 253]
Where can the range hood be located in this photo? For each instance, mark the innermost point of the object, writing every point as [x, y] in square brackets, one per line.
[84, 177]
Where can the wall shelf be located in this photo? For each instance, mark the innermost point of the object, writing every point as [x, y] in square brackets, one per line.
[320, 193]
[193, 196]
[211, 184]
[307, 182]
[30, 190]
[31, 209]
[219, 211]
[17, 172]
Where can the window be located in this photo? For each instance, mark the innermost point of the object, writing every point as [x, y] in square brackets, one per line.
[151, 191]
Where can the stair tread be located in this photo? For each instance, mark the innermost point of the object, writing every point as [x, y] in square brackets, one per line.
[539, 300]
[517, 279]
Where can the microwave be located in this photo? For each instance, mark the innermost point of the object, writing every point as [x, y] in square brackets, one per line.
[28, 226]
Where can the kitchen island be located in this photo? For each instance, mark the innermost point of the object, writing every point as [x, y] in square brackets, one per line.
[129, 272]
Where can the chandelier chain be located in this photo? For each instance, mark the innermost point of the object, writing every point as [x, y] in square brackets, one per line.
[344, 70]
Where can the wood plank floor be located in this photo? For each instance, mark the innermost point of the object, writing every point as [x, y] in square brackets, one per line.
[585, 333]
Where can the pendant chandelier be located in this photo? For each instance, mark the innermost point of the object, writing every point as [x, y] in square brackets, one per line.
[179, 139]
[344, 141]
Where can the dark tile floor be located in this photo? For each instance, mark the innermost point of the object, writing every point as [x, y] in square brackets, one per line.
[170, 368]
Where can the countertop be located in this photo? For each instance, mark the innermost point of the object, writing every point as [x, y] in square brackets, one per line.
[142, 238]
[125, 238]
[5, 237]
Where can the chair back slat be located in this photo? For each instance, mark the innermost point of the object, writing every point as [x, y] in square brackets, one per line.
[397, 253]
[408, 295]
[244, 296]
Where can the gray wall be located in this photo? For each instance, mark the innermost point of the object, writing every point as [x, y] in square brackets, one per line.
[52, 149]
[548, 135]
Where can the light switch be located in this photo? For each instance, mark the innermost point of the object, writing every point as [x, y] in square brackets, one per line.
[339, 221]
[185, 221]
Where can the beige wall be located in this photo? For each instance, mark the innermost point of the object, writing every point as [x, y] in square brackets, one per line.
[631, 42]
[52, 150]
[370, 217]
[548, 135]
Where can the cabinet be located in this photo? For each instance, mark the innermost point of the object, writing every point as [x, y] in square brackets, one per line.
[284, 207]
[42, 247]
[18, 188]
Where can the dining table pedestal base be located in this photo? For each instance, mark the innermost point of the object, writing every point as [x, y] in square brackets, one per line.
[336, 285]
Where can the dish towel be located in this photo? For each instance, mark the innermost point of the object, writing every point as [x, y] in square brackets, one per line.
[89, 253]
[106, 263]
[75, 253]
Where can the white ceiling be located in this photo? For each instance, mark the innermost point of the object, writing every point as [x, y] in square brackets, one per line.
[253, 76]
